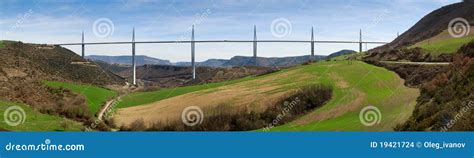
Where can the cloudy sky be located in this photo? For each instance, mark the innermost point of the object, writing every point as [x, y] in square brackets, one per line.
[62, 21]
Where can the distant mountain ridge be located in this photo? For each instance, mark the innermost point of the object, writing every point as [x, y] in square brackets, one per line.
[341, 53]
[234, 61]
[208, 63]
[126, 60]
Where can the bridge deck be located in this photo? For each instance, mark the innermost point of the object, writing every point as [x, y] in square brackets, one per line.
[223, 41]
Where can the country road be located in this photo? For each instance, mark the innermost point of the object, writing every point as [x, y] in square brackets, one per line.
[416, 63]
[106, 107]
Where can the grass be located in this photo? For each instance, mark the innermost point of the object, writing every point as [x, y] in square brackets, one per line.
[95, 96]
[371, 85]
[141, 98]
[3, 43]
[357, 85]
[36, 121]
[445, 46]
[345, 57]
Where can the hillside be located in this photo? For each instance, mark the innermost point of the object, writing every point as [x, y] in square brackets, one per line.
[432, 25]
[446, 102]
[250, 61]
[127, 60]
[29, 62]
[446, 89]
[340, 53]
[207, 63]
[444, 43]
[270, 62]
[25, 68]
[36, 121]
[355, 86]
[234, 61]
[175, 76]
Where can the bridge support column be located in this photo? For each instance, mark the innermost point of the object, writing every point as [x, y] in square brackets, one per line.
[193, 51]
[255, 45]
[83, 45]
[134, 64]
[312, 43]
[360, 41]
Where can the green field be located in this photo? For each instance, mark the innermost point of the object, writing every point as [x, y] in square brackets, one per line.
[95, 96]
[36, 121]
[141, 98]
[2, 44]
[445, 46]
[357, 56]
[367, 85]
[357, 85]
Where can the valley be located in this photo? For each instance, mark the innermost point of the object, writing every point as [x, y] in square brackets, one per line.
[355, 86]
[421, 81]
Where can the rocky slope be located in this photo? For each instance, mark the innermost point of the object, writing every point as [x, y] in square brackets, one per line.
[25, 67]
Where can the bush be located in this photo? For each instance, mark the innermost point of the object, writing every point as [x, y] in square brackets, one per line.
[444, 99]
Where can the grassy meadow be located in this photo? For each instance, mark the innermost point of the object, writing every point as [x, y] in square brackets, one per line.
[357, 85]
[36, 121]
[95, 96]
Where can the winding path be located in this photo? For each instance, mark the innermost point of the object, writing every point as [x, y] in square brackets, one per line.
[106, 107]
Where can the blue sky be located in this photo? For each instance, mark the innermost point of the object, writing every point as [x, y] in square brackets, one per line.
[61, 21]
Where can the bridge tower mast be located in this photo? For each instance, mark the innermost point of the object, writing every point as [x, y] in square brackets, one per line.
[83, 45]
[312, 43]
[134, 63]
[360, 41]
[255, 44]
[193, 51]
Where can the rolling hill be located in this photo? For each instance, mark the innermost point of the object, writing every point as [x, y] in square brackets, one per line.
[446, 101]
[207, 63]
[234, 61]
[431, 25]
[24, 68]
[446, 90]
[126, 60]
[444, 43]
[356, 85]
[36, 121]
[166, 76]
[429, 39]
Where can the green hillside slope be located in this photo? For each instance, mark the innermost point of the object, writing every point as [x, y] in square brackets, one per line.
[34, 120]
[357, 85]
[95, 96]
